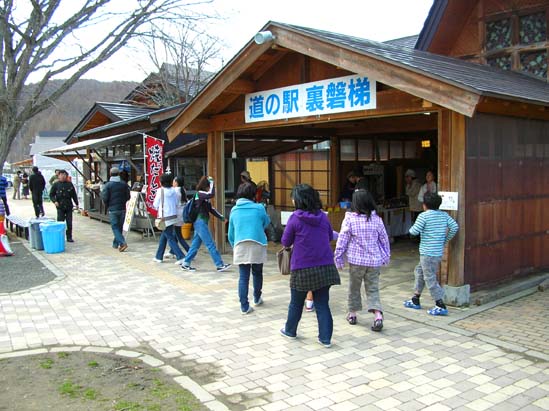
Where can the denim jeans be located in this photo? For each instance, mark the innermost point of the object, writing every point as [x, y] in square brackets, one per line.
[202, 235]
[180, 239]
[116, 218]
[322, 308]
[244, 281]
[168, 237]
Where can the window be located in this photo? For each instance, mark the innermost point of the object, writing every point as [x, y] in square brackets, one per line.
[518, 41]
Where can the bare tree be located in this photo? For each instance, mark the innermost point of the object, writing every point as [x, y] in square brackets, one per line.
[182, 58]
[35, 40]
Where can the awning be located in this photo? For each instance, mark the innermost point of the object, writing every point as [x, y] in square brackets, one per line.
[81, 146]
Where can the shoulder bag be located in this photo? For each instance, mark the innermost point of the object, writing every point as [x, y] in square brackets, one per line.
[284, 257]
[160, 222]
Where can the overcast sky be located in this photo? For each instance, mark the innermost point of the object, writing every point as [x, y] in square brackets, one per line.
[371, 19]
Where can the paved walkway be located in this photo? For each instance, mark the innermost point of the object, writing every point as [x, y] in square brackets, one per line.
[192, 322]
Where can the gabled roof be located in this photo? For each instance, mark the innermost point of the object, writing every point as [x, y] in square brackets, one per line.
[52, 133]
[112, 111]
[449, 82]
[408, 41]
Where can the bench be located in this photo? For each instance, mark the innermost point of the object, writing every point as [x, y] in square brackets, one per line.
[19, 225]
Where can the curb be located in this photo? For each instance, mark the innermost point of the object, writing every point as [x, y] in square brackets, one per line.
[184, 381]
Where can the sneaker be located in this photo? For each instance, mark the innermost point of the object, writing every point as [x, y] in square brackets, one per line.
[169, 256]
[309, 308]
[187, 267]
[223, 267]
[70, 240]
[410, 304]
[377, 325]
[248, 311]
[123, 248]
[156, 260]
[325, 344]
[285, 334]
[258, 302]
[436, 310]
[180, 262]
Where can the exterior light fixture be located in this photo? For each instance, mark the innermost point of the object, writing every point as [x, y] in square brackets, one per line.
[263, 37]
[425, 143]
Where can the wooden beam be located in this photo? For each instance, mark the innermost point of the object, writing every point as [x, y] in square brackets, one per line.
[268, 64]
[403, 78]
[389, 103]
[221, 81]
[216, 169]
[512, 108]
[335, 175]
[241, 86]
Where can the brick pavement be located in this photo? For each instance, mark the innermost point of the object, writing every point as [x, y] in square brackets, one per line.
[192, 321]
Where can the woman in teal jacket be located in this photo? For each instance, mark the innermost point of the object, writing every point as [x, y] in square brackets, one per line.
[247, 224]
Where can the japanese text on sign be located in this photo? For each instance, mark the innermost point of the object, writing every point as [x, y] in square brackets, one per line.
[337, 95]
[154, 153]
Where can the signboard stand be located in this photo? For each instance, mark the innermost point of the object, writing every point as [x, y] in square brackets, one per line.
[133, 207]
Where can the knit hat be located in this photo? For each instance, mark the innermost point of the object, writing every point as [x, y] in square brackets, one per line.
[246, 175]
[115, 171]
[410, 173]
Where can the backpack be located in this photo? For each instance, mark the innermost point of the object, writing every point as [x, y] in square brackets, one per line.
[190, 211]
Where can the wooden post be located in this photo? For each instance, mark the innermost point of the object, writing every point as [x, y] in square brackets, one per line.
[451, 170]
[334, 171]
[216, 169]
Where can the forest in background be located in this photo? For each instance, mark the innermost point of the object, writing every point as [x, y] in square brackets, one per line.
[68, 111]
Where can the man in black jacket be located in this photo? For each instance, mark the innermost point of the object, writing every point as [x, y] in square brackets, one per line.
[115, 194]
[37, 184]
[62, 193]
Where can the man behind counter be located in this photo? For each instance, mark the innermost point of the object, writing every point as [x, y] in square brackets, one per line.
[62, 194]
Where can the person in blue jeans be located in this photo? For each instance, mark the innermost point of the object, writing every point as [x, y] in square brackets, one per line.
[115, 195]
[247, 224]
[204, 192]
[166, 201]
[178, 184]
[312, 266]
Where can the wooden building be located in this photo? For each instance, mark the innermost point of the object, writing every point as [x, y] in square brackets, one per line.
[488, 123]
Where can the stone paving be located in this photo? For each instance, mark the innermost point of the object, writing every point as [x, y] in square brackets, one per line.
[192, 322]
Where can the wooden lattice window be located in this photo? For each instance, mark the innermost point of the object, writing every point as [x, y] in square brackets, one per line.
[503, 62]
[534, 63]
[533, 28]
[498, 34]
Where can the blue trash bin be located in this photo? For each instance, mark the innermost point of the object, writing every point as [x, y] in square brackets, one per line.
[53, 236]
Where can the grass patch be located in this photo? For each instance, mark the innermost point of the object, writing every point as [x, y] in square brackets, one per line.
[63, 355]
[127, 406]
[90, 394]
[46, 363]
[70, 389]
[93, 364]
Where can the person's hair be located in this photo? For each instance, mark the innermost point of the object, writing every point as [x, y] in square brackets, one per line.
[35, 169]
[432, 201]
[124, 176]
[25, 175]
[203, 184]
[362, 184]
[363, 202]
[181, 184]
[432, 172]
[306, 198]
[63, 172]
[166, 180]
[246, 190]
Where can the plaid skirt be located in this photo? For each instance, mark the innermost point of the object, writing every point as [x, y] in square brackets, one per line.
[314, 278]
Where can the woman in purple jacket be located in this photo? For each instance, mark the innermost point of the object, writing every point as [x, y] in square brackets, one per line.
[312, 265]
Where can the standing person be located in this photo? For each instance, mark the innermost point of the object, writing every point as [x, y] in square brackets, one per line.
[436, 229]
[364, 241]
[17, 185]
[115, 195]
[54, 177]
[429, 187]
[37, 184]
[25, 186]
[312, 264]
[245, 177]
[204, 191]
[179, 183]
[63, 194]
[247, 226]
[166, 201]
[412, 191]
[3, 197]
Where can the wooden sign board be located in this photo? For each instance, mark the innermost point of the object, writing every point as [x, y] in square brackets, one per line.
[130, 211]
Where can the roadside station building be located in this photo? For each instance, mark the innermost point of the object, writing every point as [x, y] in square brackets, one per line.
[470, 100]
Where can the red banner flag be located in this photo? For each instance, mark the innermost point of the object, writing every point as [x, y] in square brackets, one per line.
[154, 165]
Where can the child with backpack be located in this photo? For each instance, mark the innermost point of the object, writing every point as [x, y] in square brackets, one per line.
[364, 241]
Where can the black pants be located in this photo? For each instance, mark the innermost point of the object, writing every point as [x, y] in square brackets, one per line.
[38, 204]
[6, 207]
[65, 214]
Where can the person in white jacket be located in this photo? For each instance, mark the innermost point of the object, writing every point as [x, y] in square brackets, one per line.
[166, 201]
[429, 187]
